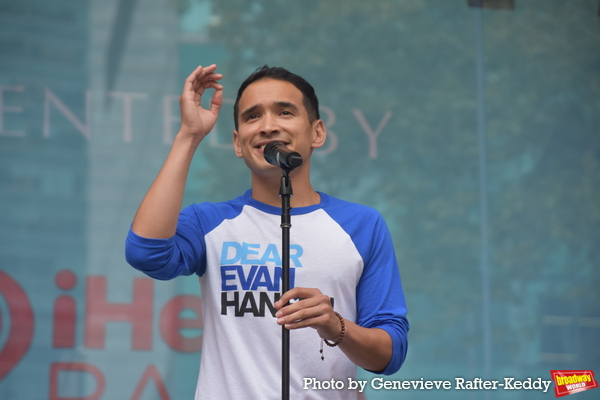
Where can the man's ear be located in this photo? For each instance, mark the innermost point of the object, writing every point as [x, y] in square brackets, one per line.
[319, 134]
[236, 144]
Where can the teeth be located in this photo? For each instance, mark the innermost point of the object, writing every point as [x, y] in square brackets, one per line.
[263, 146]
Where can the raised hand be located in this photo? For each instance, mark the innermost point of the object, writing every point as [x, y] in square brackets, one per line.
[197, 121]
[158, 213]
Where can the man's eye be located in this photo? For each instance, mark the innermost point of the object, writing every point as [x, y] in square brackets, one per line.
[252, 116]
[286, 112]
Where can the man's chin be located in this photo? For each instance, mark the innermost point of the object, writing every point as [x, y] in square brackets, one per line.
[264, 170]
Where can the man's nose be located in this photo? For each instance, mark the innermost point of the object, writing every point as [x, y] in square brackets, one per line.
[269, 124]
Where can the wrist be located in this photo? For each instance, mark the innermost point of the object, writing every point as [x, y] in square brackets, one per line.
[338, 339]
[188, 139]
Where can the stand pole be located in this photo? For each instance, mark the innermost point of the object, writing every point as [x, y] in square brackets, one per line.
[285, 192]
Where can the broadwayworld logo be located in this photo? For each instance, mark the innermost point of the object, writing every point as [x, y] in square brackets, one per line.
[572, 381]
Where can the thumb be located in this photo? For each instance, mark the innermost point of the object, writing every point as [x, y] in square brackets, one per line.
[216, 101]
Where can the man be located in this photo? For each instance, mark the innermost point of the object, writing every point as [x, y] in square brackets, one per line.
[339, 250]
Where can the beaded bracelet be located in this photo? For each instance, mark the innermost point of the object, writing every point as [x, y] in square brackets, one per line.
[339, 338]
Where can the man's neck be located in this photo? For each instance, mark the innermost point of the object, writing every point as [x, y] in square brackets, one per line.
[266, 190]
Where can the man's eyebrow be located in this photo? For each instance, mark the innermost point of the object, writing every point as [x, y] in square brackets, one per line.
[287, 104]
[282, 104]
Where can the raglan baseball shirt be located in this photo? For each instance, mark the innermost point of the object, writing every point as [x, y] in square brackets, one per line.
[343, 249]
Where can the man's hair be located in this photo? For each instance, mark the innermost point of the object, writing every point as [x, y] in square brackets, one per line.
[309, 98]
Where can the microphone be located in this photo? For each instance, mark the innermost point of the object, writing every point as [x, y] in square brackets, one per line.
[280, 156]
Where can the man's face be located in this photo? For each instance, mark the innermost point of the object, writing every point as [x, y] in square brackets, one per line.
[270, 110]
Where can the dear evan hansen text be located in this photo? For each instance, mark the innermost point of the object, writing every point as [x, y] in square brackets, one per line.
[251, 277]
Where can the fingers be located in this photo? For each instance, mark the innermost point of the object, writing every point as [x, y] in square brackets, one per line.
[205, 74]
[208, 81]
[314, 310]
[196, 120]
[303, 310]
[195, 84]
[217, 101]
[314, 322]
[190, 82]
[295, 293]
[200, 79]
[307, 303]
[322, 318]
[202, 72]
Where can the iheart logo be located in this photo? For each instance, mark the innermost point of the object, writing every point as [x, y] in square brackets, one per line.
[20, 324]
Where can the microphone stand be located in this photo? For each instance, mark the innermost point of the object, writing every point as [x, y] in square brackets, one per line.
[276, 153]
[285, 192]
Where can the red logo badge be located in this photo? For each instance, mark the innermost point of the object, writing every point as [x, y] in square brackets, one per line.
[20, 328]
[572, 381]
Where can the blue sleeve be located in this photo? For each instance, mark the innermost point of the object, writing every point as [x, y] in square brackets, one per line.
[182, 254]
[379, 296]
